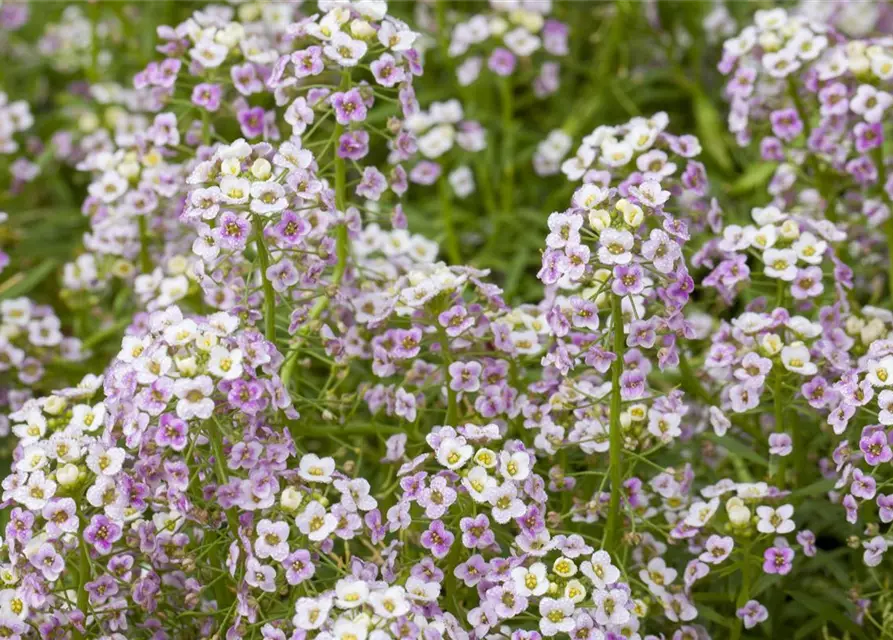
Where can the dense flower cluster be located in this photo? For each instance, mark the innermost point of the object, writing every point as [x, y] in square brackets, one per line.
[318, 411]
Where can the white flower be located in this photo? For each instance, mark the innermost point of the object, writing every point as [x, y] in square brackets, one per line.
[416, 589]
[650, 194]
[616, 154]
[506, 504]
[315, 522]
[453, 453]
[105, 462]
[351, 593]
[880, 372]
[611, 607]
[225, 364]
[781, 264]
[193, 397]
[557, 616]
[657, 575]
[312, 613]
[530, 581]
[312, 468]
[775, 520]
[795, 358]
[480, 484]
[181, 333]
[590, 196]
[514, 466]
[36, 492]
[700, 513]
[13, 604]
[600, 570]
[390, 603]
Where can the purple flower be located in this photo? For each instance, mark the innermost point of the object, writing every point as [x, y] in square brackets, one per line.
[61, 517]
[874, 551]
[283, 275]
[48, 562]
[716, 549]
[298, 567]
[437, 539]
[455, 320]
[386, 71]
[476, 532]
[627, 280]
[786, 124]
[806, 538]
[807, 283]
[272, 540]
[102, 533]
[232, 231]
[252, 121]
[868, 136]
[752, 613]
[780, 444]
[437, 497]
[171, 432]
[260, 575]
[207, 96]
[472, 571]
[353, 145]
[876, 448]
[372, 185]
[308, 62]
[778, 560]
[465, 376]
[863, 486]
[349, 106]
[502, 62]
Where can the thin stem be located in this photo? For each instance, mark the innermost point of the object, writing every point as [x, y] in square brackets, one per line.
[446, 215]
[616, 436]
[878, 156]
[269, 295]
[145, 258]
[452, 415]
[83, 575]
[743, 593]
[342, 246]
[508, 143]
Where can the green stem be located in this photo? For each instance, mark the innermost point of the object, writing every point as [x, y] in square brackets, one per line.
[269, 294]
[878, 155]
[508, 143]
[616, 435]
[743, 594]
[452, 415]
[342, 247]
[145, 258]
[446, 214]
[83, 578]
[778, 405]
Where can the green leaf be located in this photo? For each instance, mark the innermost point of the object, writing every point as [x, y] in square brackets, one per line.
[756, 176]
[817, 488]
[22, 283]
[733, 446]
[832, 614]
[711, 129]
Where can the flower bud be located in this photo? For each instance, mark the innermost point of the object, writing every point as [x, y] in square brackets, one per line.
[599, 219]
[67, 475]
[261, 169]
[55, 405]
[361, 29]
[290, 499]
[739, 514]
[771, 344]
[231, 167]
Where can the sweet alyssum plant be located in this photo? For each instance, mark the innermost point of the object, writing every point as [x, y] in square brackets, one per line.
[314, 428]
